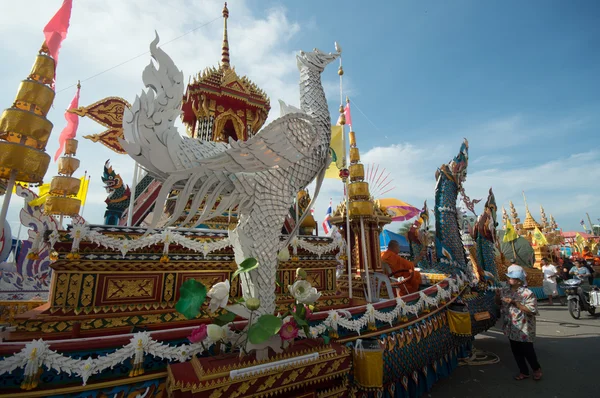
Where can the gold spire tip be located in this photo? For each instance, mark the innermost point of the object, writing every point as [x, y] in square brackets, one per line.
[341, 71]
[78, 84]
[347, 100]
[225, 49]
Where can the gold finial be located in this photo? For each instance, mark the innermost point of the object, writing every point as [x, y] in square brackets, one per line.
[341, 71]
[342, 118]
[225, 49]
[347, 100]
[78, 84]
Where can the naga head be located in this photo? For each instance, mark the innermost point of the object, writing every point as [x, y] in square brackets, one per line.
[458, 166]
[317, 60]
[112, 181]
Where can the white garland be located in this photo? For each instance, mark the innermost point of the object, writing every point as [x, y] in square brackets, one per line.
[319, 250]
[343, 318]
[81, 231]
[37, 353]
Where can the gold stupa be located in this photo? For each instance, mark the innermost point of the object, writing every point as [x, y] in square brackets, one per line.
[24, 129]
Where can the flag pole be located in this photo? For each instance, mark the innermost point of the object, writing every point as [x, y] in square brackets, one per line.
[345, 180]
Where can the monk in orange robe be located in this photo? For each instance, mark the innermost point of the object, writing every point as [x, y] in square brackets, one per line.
[401, 267]
[587, 254]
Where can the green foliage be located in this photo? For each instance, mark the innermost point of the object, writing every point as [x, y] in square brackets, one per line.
[192, 296]
[225, 318]
[265, 327]
[247, 265]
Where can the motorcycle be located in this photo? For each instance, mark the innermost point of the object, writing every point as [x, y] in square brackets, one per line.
[578, 299]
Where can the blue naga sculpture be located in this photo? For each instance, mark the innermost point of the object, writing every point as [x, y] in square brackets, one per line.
[450, 251]
[484, 235]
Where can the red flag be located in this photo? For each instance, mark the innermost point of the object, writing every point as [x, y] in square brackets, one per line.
[348, 116]
[56, 30]
[70, 130]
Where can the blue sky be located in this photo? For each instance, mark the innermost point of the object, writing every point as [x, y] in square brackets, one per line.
[519, 79]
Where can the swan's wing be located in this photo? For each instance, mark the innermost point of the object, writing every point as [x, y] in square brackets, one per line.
[282, 143]
[285, 109]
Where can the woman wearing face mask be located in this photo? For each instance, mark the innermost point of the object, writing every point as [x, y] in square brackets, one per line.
[519, 307]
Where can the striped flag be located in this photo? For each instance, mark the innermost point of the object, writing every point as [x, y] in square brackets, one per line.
[326, 223]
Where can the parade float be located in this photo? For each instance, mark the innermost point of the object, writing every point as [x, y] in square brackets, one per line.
[162, 306]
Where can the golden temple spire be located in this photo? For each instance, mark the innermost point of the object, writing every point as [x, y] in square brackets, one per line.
[529, 223]
[25, 130]
[225, 50]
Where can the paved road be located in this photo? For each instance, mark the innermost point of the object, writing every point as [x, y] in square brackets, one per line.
[567, 349]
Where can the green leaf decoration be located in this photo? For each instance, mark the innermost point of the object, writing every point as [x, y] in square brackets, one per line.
[265, 327]
[301, 311]
[224, 318]
[301, 322]
[326, 339]
[192, 296]
[247, 265]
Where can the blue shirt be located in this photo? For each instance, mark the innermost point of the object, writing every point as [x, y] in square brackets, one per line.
[581, 271]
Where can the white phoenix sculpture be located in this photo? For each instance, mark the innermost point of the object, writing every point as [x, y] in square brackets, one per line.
[261, 175]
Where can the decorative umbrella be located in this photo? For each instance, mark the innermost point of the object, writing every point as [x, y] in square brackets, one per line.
[402, 210]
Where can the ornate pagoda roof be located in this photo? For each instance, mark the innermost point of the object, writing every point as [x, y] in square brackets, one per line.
[214, 83]
[529, 222]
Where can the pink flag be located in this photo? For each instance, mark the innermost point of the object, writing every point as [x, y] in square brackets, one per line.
[56, 30]
[70, 130]
[347, 114]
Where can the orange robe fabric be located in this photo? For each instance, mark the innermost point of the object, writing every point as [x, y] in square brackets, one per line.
[587, 255]
[402, 268]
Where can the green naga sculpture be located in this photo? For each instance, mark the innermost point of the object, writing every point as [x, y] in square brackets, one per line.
[118, 195]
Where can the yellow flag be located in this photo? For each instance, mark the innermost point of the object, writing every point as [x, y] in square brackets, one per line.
[510, 233]
[336, 148]
[83, 189]
[579, 239]
[539, 237]
[42, 193]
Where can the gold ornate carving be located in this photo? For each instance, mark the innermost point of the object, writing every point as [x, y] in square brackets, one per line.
[220, 108]
[59, 297]
[87, 293]
[169, 284]
[129, 288]
[138, 266]
[269, 382]
[220, 121]
[243, 388]
[240, 113]
[315, 370]
[292, 377]
[74, 288]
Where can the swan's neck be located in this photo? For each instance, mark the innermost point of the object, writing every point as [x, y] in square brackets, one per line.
[312, 99]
